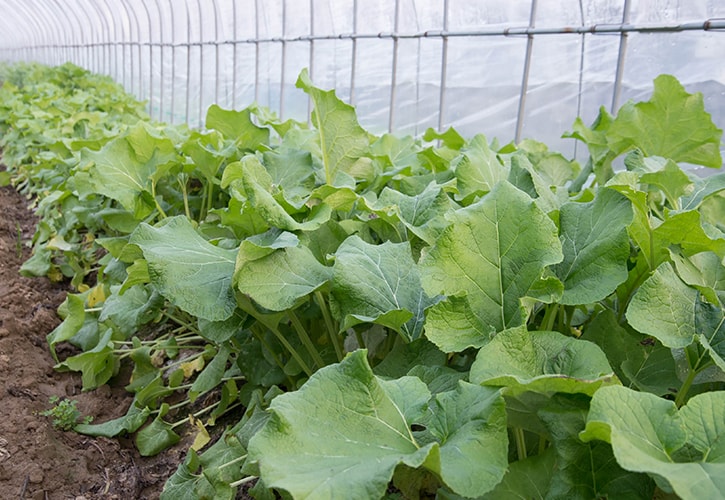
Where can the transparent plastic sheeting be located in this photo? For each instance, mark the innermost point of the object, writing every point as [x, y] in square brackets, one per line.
[510, 69]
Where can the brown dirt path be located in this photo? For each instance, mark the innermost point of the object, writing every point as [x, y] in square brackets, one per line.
[38, 461]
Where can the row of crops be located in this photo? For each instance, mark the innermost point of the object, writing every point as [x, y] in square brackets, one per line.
[376, 316]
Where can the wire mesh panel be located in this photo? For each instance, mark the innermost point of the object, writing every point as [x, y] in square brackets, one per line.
[507, 69]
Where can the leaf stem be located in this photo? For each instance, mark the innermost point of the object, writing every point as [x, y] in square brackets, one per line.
[195, 415]
[520, 442]
[249, 309]
[243, 481]
[329, 323]
[156, 202]
[549, 317]
[259, 334]
[235, 461]
[181, 322]
[182, 179]
[360, 340]
[687, 384]
[682, 393]
[305, 339]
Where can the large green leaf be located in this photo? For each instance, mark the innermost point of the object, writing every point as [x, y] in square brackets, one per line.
[130, 422]
[117, 173]
[237, 126]
[541, 362]
[527, 479]
[668, 309]
[478, 169]
[488, 259]
[379, 284]
[595, 137]
[685, 230]
[703, 189]
[423, 214]
[252, 183]
[704, 271]
[138, 305]
[586, 470]
[292, 172]
[353, 455]
[367, 434]
[664, 307]
[638, 361]
[279, 280]
[672, 124]
[596, 247]
[342, 140]
[470, 425]
[75, 316]
[188, 270]
[681, 449]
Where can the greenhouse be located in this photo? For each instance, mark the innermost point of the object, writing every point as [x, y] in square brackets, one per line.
[400, 249]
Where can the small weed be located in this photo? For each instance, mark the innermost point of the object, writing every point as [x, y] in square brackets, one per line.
[65, 414]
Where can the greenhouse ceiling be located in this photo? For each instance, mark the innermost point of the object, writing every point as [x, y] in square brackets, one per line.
[507, 69]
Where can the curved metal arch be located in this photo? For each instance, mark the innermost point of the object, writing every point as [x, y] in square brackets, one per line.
[95, 43]
[46, 46]
[106, 45]
[216, 50]
[14, 45]
[234, 56]
[45, 41]
[70, 40]
[201, 63]
[36, 34]
[127, 43]
[173, 59]
[284, 60]
[89, 55]
[161, 59]
[113, 45]
[138, 45]
[188, 59]
[151, 57]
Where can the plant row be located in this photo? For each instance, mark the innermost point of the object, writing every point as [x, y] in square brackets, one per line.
[374, 316]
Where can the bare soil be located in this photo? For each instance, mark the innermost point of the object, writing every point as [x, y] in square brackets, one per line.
[38, 461]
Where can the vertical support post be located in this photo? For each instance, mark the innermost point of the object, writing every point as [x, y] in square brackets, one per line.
[216, 52]
[444, 69]
[201, 64]
[394, 70]
[113, 46]
[234, 56]
[127, 43]
[132, 12]
[616, 93]
[256, 50]
[162, 83]
[580, 90]
[151, 57]
[354, 53]
[525, 77]
[173, 61]
[312, 56]
[105, 46]
[284, 60]
[188, 59]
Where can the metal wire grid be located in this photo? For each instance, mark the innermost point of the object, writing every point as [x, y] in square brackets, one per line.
[123, 46]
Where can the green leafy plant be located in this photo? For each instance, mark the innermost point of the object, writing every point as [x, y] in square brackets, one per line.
[437, 315]
[65, 414]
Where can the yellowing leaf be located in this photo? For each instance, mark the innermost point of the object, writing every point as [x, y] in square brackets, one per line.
[202, 436]
[192, 366]
[96, 296]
